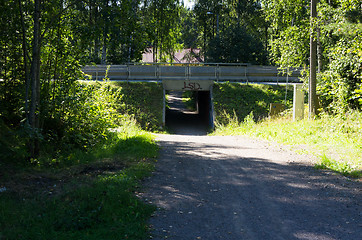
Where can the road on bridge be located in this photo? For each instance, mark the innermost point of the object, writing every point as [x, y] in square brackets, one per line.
[223, 187]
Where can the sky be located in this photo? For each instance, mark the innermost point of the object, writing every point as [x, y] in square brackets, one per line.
[189, 3]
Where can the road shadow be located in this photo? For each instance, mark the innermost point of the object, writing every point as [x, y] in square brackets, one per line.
[207, 192]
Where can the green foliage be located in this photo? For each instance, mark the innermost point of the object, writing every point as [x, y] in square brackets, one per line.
[236, 45]
[240, 100]
[340, 167]
[231, 31]
[338, 35]
[162, 27]
[102, 207]
[74, 33]
[341, 84]
[289, 31]
[291, 48]
[190, 30]
[234, 126]
[143, 101]
[82, 117]
[12, 144]
[92, 116]
[282, 14]
[79, 116]
[85, 194]
[125, 143]
[189, 99]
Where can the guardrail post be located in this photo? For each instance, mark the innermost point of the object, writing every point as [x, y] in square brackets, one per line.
[298, 102]
[211, 113]
[164, 108]
[128, 72]
[217, 72]
[157, 72]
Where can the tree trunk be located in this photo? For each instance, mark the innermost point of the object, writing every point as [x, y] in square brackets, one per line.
[35, 82]
[319, 50]
[25, 56]
[313, 61]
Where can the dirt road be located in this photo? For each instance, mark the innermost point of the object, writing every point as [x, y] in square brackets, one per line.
[235, 188]
[214, 187]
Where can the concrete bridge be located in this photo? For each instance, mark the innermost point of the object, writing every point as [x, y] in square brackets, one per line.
[200, 78]
[173, 75]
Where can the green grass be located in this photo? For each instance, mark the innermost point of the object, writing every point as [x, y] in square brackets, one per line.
[336, 140]
[337, 166]
[240, 99]
[126, 142]
[82, 195]
[103, 207]
[143, 101]
[189, 99]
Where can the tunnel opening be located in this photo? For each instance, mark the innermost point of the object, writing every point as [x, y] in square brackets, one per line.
[189, 112]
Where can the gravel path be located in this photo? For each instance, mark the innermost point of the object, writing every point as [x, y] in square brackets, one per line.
[223, 187]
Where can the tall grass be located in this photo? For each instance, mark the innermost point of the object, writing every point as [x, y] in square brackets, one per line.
[336, 138]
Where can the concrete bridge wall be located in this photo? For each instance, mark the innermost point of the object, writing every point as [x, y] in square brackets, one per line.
[189, 72]
[189, 77]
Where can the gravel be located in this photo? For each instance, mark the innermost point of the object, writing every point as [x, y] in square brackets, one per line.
[227, 187]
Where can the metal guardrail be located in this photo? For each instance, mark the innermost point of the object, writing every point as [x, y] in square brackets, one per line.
[211, 71]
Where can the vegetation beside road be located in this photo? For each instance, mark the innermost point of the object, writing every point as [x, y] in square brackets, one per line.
[334, 139]
[92, 156]
[85, 195]
[240, 99]
[143, 101]
[51, 124]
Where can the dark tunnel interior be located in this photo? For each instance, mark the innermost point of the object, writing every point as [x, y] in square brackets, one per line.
[183, 119]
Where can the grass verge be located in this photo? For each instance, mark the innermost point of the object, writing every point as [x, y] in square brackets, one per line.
[89, 196]
[143, 101]
[334, 139]
[240, 99]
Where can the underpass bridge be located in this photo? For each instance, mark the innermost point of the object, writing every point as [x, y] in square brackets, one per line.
[200, 77]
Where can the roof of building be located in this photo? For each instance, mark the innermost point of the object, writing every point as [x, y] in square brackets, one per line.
[188, 55]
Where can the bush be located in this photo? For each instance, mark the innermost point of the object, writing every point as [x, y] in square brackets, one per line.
[341, 84]
[83, 117]
[143, 101]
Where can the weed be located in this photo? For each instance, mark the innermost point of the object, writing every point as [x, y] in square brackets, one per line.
[337, 166]
[189, 99]
[242, 99]
[100, 208]
[336, 137]
[90, 195]
[143, 101]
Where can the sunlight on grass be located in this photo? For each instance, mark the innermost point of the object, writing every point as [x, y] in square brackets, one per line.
[95, 192]
[337, 138]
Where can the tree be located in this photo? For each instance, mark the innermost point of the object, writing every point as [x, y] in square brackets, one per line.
[161, 20]
[34, 110]
[190, 30]
[339, 41]
[236, 45]
[288, 32]
[233, 31]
